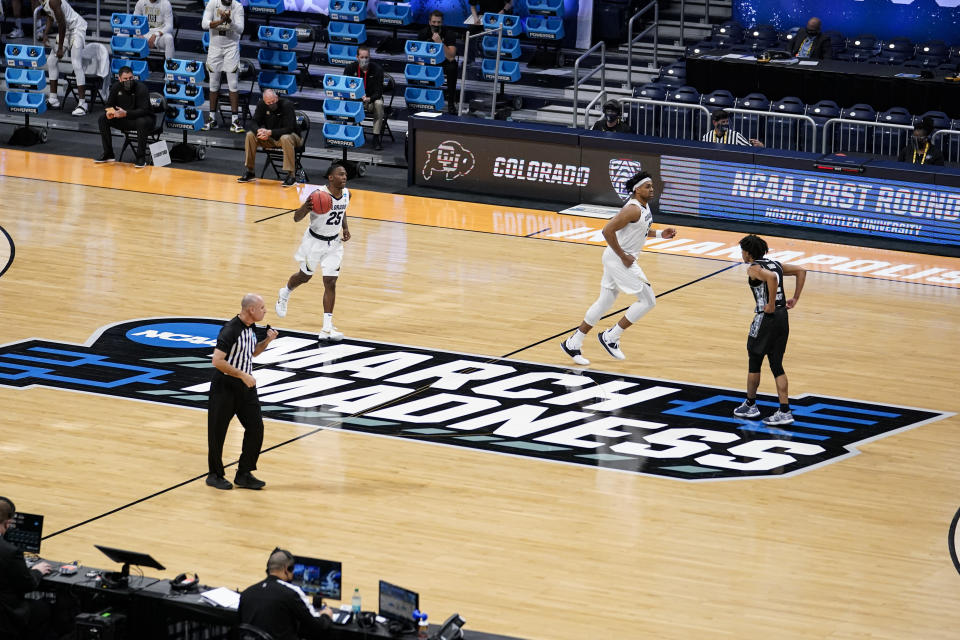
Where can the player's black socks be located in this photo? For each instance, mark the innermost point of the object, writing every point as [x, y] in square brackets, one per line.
[785, 408]
[751, 401]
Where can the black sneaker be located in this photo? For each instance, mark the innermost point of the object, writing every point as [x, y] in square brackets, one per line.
[218, 482]
[247, 176]
[105, 157]
[289, 181]
[140, 163]
[246, 480]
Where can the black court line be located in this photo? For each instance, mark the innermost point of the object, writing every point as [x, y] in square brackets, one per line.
[276, 215]
[952, 542]
[619, 311]
[13, 251]
[536, 233]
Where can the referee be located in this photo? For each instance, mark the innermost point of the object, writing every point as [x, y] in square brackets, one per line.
[233, 392]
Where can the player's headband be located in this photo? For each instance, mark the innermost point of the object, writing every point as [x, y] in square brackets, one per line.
[647, 179]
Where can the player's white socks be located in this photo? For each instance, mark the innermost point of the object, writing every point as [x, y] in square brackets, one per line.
[284, 293]
[576, 340]
[327, 321]
[614, 332]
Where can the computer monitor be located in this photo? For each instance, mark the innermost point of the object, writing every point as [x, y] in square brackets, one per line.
[128, 558]
[26, 532]
[316, 576]
[397, 603]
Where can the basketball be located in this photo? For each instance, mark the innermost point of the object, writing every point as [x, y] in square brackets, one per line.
[321, 201]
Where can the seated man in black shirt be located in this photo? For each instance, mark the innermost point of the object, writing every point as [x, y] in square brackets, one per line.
[372, 74]
[276, 123]
[128, 109]
[811, 43]
[436, 32]
[20, 619]
[611, 120]
[280, 608]
[919, 150]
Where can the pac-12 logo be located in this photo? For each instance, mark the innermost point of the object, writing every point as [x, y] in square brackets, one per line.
[621, 170]
[451, 159]
[638, 425]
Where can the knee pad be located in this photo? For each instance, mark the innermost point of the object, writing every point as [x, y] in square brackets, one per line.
[600, 306]
[645, 302]
[233, 81]
[53, 72]
[214, 81]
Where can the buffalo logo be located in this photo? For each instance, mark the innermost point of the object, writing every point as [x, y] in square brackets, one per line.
[622, 170]
[449, 158]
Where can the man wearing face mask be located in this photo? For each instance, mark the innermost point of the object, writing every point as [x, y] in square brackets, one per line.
[128, 109]
[224, 20]
[920, 150]
[723, 134]
[372, 75]
[160, 20]
[611, 120]
[811, 43]
[276, 123]
[436, 32]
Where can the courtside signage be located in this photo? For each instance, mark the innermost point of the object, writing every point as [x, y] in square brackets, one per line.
[638, 425]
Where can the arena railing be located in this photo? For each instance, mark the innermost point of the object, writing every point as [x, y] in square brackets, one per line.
[631, 39]
[496, 69]
[949, 141]
[577, 80]
[864, 136]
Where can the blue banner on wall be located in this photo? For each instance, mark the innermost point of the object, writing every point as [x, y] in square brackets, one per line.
[753, 193]
[919, 20]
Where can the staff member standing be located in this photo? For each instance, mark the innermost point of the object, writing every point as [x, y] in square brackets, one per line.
[233, 392]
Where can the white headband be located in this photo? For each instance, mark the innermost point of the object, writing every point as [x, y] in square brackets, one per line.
[647, 179]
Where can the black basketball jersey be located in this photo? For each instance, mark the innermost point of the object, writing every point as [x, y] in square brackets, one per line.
[759, 287]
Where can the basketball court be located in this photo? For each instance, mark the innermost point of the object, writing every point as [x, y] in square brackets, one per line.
[546, 532]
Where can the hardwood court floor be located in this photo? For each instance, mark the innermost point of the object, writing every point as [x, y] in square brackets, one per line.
[853, 549]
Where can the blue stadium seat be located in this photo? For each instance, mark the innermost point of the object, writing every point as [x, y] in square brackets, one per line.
[348, 10]
[650, 91]
[755, 102]
[895, 51]
[673, 76]
[719, 99]
[394, 15]
[750, 125]
[421, 99]
[855, 137]
[544, 28]
[509, 47]
[512, 26]
[700, 47]
[141, 71]
[888, 142]
[25, 79]
[786, 38]
[423, 52]
[788, 133]
[128, 24]
[680, 122]
[646, 117]
[343, 87]
[341, 54]
[761, 37]
[730, 32]
[347, 32]
[129, 47]
[932, 53]
[862, 48]
[509, 70]
[343, 111]
[940, 119]
[422, 75]
[277, 60]
[838, 42]
[820, 113]
[277, 37]
[282, 83]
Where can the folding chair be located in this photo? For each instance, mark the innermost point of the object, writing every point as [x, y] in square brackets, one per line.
[275, 156]
[158, 104]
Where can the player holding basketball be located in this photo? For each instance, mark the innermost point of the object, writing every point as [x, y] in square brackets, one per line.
[321, 245]
[625, 234]
[769, 329]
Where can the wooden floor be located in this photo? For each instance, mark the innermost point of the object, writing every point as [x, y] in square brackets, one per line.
[853, 549]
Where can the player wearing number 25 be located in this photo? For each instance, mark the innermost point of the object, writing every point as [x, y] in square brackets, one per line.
[321, 247]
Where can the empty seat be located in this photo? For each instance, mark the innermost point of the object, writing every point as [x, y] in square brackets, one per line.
[761, 37]
[932, 53]
[784, 132]
[673, 76]
[719, 99]
[730, 32]
[940, 119]
[889, 141]
[509, 47]
[862, 48]
[750, 125]
[681, 122]
[700, 47]
[895, 51]
[854, 137]
[838, 43]
[646, 117]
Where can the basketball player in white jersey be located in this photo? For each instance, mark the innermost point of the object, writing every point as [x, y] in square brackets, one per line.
[160, 20]
[322, 248]
[224, 20]
[72, 36]
[625, 234]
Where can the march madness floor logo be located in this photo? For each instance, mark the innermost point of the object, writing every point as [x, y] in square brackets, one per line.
[639, 425]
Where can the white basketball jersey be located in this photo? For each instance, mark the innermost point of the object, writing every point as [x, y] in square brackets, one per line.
[155, 12]
[225, 35]
[632, 236]
[329, 224]
[73, 19]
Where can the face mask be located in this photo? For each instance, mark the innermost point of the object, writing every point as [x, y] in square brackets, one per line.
[127, 84]
[919, 142]
[274, 106]
[226, 3]
[722, 129]
[611, 116]
[813, 33]
[435, 29]
[364, 62]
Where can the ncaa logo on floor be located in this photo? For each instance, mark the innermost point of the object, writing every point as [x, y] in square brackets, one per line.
[637, 425]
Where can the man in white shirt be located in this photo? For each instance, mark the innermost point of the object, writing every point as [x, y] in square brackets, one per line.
[160, 20]
[224, 20]
[71, 36]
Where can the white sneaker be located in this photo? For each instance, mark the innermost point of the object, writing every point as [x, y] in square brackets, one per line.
[330, 335]
[747, 410]
[53, 102]
[779, 418]
[573, 353]
[210, 124]
[282, 305]
[16, 33]
[235, 126]
[613, 348]
[81, 110]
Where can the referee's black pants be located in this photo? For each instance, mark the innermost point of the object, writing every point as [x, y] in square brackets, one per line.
[230, 397]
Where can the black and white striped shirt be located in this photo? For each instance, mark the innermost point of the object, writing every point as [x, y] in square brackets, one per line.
[238, 341]
[730, 137]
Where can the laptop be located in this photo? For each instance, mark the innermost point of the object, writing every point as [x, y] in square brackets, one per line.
[26, 532]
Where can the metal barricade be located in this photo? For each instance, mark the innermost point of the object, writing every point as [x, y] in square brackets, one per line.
[496, 70]
[577, 80]
[661, 118]
[864, 136]
[787, 131]
[632, 39]
[949, 141]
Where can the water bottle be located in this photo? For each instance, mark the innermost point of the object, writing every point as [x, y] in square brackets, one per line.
[355, 602]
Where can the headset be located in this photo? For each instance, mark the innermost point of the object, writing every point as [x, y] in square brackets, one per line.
[185, 583]
[366, 619]
[399, 628]
[286, 554]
